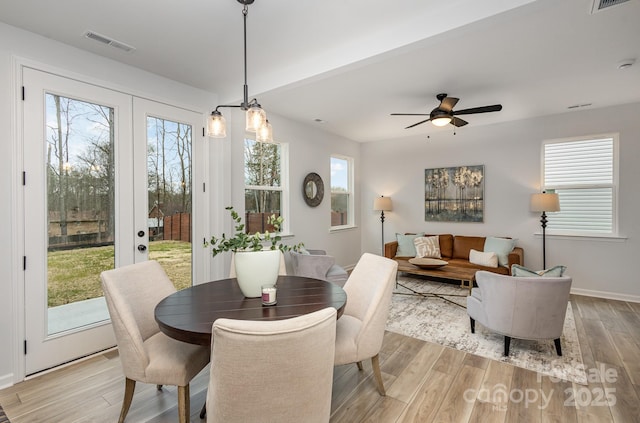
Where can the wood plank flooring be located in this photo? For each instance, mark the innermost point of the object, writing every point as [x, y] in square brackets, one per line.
[425, 383]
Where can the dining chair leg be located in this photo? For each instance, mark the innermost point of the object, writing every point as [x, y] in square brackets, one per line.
[558, 346]
[203, 411]
[375, 363]
[183, 404]
[359, 364]
[129, 388]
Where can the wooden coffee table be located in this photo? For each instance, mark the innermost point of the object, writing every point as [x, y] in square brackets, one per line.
[466, 276]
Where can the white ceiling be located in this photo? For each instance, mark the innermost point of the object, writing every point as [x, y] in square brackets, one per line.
[353, 62]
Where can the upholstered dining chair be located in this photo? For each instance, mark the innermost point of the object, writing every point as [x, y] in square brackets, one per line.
[361, 327]
[272, 371]
[317, 264]
[531, 308]
[148, 355]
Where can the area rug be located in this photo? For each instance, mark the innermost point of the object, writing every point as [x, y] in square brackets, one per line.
[435, 320]
[3, 417]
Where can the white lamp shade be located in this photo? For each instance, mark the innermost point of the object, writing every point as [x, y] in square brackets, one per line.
[382, 204]
[545, 202]
[255, 118]
[216, 125]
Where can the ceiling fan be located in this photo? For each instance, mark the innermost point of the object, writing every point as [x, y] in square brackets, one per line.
[444, 113]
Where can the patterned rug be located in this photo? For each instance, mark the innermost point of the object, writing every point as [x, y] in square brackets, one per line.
[3, 417]
[441, 322]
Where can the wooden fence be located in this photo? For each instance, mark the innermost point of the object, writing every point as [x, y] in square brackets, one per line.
[177, 227]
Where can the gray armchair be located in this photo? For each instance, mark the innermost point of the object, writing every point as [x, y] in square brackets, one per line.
[317, 264]
[520, 307]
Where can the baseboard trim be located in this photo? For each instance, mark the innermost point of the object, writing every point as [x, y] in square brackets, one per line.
[606, 295]
[6, 381]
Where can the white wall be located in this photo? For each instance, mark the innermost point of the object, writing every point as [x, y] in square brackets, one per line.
[511, 155]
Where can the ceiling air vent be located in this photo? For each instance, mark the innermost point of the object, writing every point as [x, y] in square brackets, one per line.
[108, 41]
[599, 5]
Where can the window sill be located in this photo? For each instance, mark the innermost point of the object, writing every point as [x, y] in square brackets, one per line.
[342, 228]
[600, 238]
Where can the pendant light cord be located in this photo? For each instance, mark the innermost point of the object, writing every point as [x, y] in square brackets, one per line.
[245, 103]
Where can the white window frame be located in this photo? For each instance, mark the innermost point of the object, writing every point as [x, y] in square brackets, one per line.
[350, 191]
[613, 186]
[284, 183]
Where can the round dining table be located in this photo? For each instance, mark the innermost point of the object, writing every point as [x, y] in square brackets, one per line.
[188, 315]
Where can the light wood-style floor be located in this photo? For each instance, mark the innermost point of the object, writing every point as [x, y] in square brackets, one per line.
[425, 383]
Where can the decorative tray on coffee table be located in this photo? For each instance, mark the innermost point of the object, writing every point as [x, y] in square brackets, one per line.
[428, 263]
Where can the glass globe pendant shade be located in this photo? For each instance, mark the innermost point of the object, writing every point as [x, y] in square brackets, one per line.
[265, 132]
[255, 118]
[216, 125]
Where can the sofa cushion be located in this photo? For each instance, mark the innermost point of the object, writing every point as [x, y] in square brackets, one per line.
[446, 245]
[406, 247]
[501, 246]
[521, 271]
[489, 259]
[427, 246]
[462, 245]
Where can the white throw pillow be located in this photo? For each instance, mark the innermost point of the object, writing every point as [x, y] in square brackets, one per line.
[427, 246]
[488, 258]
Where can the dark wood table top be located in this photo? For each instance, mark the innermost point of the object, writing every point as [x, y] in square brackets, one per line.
[188, 315]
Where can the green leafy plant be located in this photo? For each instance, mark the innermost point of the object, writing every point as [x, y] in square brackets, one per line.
[242, 241]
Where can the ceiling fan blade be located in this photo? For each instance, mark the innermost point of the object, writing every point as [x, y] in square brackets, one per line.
[419, 123]
[409, 114]
[458, 122]
[448, 103]
[484, 109]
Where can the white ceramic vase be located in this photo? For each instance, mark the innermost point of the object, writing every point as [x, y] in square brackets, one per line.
[256, 268]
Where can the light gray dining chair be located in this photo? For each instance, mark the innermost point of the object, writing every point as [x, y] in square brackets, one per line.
[361, 327]
[272, 371]
[317, 264]
[146, 354]
[520, 307]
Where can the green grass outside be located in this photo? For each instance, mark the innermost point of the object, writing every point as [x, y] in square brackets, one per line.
[74, 275]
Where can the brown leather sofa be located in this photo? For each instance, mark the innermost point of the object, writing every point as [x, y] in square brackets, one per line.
[455, 250]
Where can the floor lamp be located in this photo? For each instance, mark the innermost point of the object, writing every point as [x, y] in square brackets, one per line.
[544, 202]
[382, 204]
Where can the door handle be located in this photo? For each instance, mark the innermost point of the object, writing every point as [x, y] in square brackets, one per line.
[142, 248]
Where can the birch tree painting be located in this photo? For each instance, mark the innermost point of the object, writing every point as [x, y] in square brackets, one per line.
[454, 194]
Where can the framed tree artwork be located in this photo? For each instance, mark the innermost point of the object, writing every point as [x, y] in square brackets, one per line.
[454, 194]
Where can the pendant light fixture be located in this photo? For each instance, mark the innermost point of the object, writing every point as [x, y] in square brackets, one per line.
[256, 118]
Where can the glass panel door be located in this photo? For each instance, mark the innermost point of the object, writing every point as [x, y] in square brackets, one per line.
[75, 149]
[169, 197]
[80, 210]
[175, 210]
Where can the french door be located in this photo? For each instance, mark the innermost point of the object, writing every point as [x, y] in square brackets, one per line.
[103, 173]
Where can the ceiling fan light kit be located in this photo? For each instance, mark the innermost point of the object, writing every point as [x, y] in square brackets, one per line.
[256, 117]
[444, 113]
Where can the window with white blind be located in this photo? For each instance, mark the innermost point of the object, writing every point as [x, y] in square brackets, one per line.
[584, 174]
